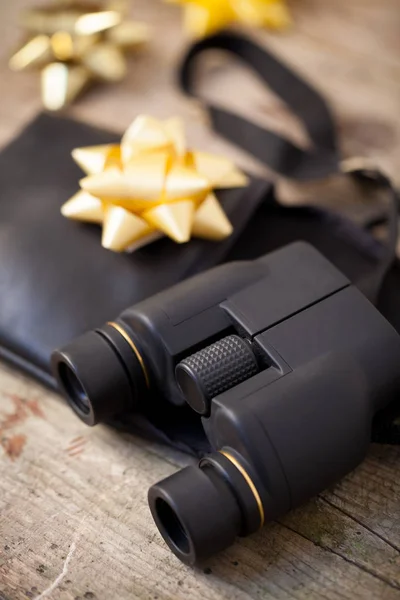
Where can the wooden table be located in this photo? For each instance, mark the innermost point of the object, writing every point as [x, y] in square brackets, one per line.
[74, 521]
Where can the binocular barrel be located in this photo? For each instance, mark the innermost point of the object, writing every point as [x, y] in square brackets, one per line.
[123, 364]
[278, 446]
[285, 362]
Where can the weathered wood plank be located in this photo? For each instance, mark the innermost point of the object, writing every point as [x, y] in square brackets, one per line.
[371, 493]
[328, 527]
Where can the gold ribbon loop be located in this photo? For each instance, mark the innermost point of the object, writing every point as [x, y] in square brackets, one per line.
[73, 44]
[152, 185]
[204, 17]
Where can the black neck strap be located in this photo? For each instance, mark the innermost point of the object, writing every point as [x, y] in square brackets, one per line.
[277, 152]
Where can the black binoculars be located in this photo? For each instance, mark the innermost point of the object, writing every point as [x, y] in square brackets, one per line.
[285, 361]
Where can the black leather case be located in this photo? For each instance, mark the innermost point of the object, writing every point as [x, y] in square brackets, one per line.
[56, 281]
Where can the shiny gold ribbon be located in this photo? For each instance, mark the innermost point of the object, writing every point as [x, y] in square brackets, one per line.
[203, 17]
[152, 185]
[73, 43]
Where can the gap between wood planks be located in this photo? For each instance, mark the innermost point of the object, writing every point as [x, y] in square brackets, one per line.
[371, 572]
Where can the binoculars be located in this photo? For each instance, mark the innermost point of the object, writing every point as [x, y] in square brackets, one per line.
[286, 364]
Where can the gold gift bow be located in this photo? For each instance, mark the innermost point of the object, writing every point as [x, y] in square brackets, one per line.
[203, 17]
[152, 185]
[73, 43]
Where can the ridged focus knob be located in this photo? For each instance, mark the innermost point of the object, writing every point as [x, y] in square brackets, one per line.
[214, 370]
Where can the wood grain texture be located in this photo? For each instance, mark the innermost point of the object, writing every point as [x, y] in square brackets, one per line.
[74, 522]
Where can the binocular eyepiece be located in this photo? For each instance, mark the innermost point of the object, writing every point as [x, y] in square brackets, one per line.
[201, 510]
[101, 374]
[285, 363]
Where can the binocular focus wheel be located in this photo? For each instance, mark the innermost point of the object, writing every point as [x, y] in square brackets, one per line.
[215, 369]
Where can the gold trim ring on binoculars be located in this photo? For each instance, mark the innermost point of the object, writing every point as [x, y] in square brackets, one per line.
[126, 337]
[249, 482]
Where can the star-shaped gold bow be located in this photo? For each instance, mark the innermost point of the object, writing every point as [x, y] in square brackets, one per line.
[202, 17]
[75, 42]
[152, 185]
